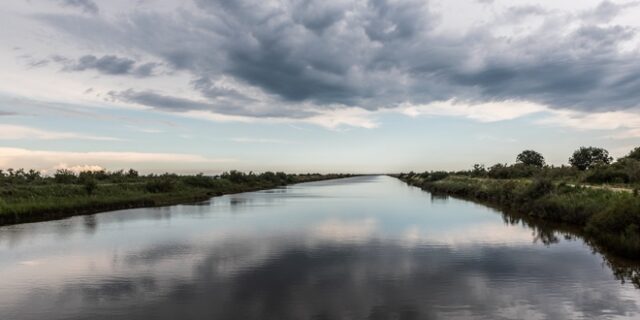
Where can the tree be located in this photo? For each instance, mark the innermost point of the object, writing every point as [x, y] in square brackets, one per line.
[531, 158]
[634, 154]
[132, 173]
[478, 170]
[65, 176]
[588, 157]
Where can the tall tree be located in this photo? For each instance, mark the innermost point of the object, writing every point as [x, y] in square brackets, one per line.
[530, 157]
[587, 157]
[634, 154]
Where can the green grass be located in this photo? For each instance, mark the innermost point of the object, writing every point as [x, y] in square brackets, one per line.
[45, 198]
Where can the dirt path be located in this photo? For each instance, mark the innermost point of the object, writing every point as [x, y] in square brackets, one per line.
[605, 187]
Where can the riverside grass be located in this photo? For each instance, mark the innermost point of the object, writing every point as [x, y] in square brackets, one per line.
[47, 198]
[608, 218]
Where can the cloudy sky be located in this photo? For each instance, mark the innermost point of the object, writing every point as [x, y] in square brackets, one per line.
[314, 85]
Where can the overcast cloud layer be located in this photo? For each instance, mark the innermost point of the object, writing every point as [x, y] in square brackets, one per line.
[293, 59]
[336, 64]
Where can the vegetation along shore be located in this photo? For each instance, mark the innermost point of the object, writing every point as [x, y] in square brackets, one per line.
[594, 194]
[27, 196]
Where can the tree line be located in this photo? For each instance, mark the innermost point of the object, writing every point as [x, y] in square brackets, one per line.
[586, 164]
[591, 164]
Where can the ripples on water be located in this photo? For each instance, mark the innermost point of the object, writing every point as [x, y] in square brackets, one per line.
[358, 248]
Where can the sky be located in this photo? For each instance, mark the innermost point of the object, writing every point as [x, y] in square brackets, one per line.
[363, 86]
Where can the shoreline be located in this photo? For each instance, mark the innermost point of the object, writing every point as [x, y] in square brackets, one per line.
[94, 205]
[606, 227]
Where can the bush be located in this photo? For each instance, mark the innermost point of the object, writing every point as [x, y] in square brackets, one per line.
[199, 181]
[162, 184]
[516, 171]
[624, 212]
[65, 176]
[478, 170]
[433, 176]
[90, 186]
[634, 154]
[3, 206]
[631, 167]
[538, 188]
[235, 176]
[618, 226]
[607, 175]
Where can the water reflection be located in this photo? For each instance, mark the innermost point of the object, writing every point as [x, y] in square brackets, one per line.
[362, 248]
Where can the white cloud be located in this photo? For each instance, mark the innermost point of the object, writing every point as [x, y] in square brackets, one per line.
[261, 140]
[80, 168]
[46, 160]
[15, 132]
[345, 231]
[626, 123]
[483, 112]
[337, 118]
[464, 236]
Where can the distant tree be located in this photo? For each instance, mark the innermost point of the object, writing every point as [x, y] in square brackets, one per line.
[634, 154]
[132, 173]
[437, 175]
[531, 158]
[33, 175]
[478, 170]
[588, 157]
[65, 176]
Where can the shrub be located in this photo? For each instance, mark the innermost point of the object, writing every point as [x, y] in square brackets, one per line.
[65, 176]
[624, 211]
[478, 170]
[516, 171]
[433, 176]
[90, 186]
[607, 175]
[631, 167]
[235, 176]
[563, 171]
[538, 188]
[200, 181]
[634, 154]
[162, 184]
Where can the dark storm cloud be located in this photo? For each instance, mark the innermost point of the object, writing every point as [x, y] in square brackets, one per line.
[106, 64]
[109, 64]
[145, 70]
[372, 54]
[228, 107]
[87, 6]
[159, 101]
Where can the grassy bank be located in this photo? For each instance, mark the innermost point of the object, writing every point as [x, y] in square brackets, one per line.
[608, 218]
[28, 196]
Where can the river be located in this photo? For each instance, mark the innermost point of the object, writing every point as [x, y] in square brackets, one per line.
[366, 247]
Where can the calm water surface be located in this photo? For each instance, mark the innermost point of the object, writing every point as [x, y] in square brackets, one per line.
[358, 248]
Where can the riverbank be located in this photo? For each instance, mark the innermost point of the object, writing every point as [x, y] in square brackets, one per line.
[24, 199]
[608, 218]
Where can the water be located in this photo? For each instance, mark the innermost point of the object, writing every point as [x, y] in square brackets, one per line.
[358, 248]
